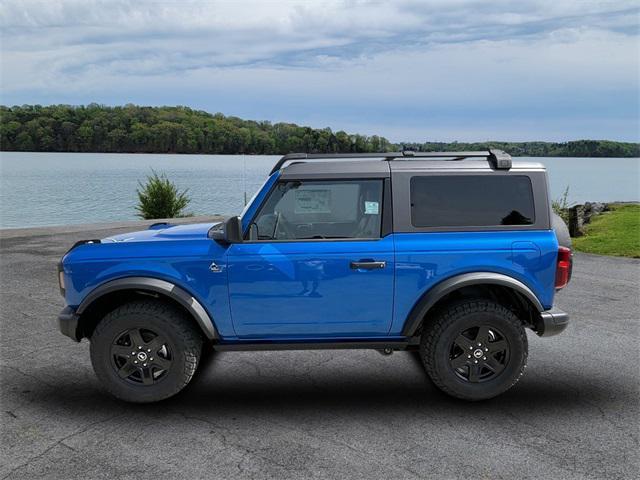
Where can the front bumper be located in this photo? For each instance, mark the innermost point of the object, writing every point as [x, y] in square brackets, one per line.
[552, 322]
[68, 323]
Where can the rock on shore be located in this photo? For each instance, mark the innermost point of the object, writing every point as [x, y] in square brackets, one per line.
[580, 215]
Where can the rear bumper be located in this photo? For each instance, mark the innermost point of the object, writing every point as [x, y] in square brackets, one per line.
[68, 323]
[552, 322]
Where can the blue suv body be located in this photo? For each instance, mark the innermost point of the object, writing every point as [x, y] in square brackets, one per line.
[402, 251]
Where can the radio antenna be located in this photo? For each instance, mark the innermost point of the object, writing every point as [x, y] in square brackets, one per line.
[244, 178]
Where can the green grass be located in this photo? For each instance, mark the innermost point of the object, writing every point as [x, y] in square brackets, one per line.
[613, 233]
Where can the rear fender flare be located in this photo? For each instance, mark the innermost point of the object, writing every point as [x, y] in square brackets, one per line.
[431, 297]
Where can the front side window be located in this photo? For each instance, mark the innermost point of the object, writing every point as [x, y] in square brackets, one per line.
[471, 201]
[306, 210]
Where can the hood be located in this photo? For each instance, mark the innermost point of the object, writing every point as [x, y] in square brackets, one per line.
[194, 231]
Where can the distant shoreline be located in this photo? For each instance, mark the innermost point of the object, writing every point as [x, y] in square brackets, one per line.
[180, 130]
[263, 154]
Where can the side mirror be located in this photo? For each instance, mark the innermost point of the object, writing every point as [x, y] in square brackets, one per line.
[229, 231]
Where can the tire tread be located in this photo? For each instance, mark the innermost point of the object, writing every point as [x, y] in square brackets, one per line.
[449, 314]
[175, 320]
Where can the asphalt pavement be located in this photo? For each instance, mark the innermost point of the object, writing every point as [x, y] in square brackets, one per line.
[318, 414]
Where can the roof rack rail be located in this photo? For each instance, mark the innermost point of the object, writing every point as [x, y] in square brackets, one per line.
[498, 159]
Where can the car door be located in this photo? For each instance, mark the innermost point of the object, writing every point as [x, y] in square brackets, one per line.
[316, 263]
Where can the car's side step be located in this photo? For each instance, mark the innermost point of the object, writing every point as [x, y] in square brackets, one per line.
[246, 346]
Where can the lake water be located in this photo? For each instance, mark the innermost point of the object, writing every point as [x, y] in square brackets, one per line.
[38, 189]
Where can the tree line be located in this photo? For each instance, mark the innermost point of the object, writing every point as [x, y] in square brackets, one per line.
[137, 129]
[576, 148]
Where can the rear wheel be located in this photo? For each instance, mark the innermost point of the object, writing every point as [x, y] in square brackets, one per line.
[474, 349]
[145, 351]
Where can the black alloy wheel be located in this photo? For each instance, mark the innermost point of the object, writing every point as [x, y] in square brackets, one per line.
[141, 356]
[474, 349]
[479, 354]
[145, 351]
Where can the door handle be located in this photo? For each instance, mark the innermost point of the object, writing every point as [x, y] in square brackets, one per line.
[367, 265]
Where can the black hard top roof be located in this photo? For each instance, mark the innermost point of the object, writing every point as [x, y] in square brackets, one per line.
[348, 169]
[381, 164]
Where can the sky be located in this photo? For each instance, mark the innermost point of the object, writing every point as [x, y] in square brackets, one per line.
[431, 70]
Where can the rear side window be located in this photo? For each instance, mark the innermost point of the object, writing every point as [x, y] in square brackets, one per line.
[471, 201]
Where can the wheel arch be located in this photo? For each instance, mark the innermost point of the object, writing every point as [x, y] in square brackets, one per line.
[121, 290]
[473, 282]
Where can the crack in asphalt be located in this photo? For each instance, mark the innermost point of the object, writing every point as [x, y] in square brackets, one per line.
[60, 442]
[369, 456]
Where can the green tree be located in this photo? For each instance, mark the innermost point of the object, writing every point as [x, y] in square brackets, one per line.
[132, 128]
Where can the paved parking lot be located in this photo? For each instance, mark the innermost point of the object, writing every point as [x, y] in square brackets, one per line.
[318, 414]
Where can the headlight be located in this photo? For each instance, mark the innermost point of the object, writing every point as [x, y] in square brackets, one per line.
[61, 279]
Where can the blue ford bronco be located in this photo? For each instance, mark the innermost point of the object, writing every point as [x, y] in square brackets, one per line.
[451, 254]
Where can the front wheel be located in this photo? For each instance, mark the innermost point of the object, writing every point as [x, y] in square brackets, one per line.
[145, 351]
[474, 349]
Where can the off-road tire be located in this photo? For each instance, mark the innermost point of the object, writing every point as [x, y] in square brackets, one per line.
[183, 341]
[446, 324]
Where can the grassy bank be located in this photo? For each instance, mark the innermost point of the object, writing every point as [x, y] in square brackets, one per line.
[616, 232]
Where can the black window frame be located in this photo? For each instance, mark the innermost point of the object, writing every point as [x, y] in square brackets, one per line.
[401, 176]
[386, 222]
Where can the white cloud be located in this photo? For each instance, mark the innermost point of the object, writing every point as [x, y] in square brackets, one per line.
[328, 62]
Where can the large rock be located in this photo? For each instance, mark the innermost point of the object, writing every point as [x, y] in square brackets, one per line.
[591, 209]
[580, 215]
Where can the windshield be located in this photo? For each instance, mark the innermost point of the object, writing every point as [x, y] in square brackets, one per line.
[246, 207]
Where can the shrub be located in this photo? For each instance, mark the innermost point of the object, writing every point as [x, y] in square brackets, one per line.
[561, 206]
[160, 198]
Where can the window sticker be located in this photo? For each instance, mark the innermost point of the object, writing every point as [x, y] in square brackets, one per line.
[371, 208]
[312, 201]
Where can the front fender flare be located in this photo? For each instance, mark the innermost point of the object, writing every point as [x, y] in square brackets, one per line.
[431, 297]
[184, 298]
